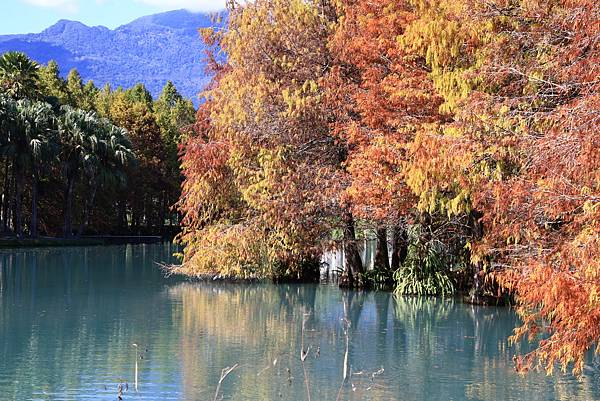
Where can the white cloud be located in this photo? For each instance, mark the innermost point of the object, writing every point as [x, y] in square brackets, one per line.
[192, 5]
[68, 5]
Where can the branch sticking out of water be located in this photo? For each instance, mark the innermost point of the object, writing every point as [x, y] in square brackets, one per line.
[345, 369]
[304, 355]
[136, 366]
[168, 269]
[224, 373]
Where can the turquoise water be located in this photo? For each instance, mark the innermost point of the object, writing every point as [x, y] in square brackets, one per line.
[69, 317]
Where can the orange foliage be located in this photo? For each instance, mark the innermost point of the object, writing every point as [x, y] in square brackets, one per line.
[382, 94]
[543, 211]
[455, 108]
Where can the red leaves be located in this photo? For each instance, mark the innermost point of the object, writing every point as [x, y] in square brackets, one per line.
[385, 94]
[541, 216]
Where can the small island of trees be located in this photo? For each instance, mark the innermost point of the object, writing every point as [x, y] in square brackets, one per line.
[461, 135]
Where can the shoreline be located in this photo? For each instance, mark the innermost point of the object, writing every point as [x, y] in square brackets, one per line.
[7, 242]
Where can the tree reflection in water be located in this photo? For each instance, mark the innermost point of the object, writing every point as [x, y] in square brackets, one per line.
[68, 318]
[420, 348]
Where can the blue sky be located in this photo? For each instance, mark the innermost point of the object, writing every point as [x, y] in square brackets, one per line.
[25, 16]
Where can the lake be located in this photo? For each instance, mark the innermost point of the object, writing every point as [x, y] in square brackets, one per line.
[69, 318]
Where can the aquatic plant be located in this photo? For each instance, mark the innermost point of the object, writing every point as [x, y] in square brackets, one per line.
[425, 270]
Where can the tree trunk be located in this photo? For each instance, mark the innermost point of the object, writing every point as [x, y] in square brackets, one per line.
[382, 259]
[400, 243]
[162, 213]
[147, 218]
[89, 204]
[121, 215]
[6, 197]
[478, 288]
[34, 205]
[13, 213]
[134, 219]
[68, 220]
[18, 200]
[354, 266]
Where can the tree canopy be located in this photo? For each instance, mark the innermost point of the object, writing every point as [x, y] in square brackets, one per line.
[459, 135]
[97, 158]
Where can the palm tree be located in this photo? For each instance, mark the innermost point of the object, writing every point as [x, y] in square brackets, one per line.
[77, 130]
[14, 149]
[8, 113]
[105, 166]
[35, 142]
[19, 75]
[18, 80]
[27, 135]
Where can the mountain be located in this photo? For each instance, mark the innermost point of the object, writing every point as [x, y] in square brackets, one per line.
[151, 50]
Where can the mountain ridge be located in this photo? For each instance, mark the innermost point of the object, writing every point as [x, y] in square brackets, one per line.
[151, 49]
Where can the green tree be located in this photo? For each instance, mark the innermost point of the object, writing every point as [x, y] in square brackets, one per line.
[19, 75]
[106, 164]
[27, 138]
[52, 86]
[174, 116]
[90, 92]
[79, 141]
[147, 177]
[8, 121]
[139, 94]
[80, 95]
[35, 143]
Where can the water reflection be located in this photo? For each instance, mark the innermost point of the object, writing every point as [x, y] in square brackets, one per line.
[69, 317]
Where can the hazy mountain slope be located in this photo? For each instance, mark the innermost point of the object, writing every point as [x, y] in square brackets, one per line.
[151, 50]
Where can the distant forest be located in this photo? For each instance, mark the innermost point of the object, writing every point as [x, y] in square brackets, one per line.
[77, 159]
